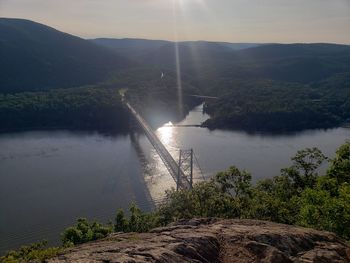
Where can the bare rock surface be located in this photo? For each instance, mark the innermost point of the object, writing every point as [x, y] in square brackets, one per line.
[214, 240]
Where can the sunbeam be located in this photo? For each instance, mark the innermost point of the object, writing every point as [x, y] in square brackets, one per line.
[177, 58]
[180, 6]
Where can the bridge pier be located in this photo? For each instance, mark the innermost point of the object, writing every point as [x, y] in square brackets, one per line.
[186, 165]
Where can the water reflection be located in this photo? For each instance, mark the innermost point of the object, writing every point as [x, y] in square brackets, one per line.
[165, 134]
[156, 174]
[50, 178]
[262, 155]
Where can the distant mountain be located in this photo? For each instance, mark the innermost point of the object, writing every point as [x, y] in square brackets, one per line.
[273, 51]
[138, 48]
[36, 57]
[207, 62]
[302, 63]
[190, 54]
[204, 61]
[129, 47]
[240, 46]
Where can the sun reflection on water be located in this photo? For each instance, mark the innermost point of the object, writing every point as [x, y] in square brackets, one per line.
[156, 173]
[165, 133]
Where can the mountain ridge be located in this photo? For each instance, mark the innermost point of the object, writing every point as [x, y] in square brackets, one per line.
[37, 57]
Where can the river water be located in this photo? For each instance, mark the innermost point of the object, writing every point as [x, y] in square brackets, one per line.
[50, 178]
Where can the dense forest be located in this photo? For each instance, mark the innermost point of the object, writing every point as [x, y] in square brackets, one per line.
[293, 106]
[79, 108]
[35, 57]
[261, 87]
[96, 107]
[298, 196]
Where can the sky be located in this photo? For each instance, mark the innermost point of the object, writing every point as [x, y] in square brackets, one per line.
[258, 21]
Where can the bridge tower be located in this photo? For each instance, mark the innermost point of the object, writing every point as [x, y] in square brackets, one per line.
[182, 172]
[186, 166]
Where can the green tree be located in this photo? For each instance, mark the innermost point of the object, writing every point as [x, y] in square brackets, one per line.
[36, 252]
[340, 165]
[138, 221]
[234, 182]
[120, 222]
[83, 232]
[303, 172]
[274, 200]
[322, 211]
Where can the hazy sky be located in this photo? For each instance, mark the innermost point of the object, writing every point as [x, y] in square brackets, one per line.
[220, 20]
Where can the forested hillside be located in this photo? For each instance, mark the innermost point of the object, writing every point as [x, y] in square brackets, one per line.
[213, 62]
[131, 48]
[268, 105]
[138, 48]
[95, 108]
[270, 87]
[36, 57]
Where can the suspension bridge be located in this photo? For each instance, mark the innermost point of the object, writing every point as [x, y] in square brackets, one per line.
[181, 179]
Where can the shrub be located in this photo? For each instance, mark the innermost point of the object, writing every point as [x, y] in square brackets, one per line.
[36, 252]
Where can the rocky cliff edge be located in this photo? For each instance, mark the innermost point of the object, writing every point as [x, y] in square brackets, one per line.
[214, 240]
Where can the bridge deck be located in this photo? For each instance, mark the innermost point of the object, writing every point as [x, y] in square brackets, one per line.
[164, 154]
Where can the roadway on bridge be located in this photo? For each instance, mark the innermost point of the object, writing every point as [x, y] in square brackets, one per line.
[173, 168]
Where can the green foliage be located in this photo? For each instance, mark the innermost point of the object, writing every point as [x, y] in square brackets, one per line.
[76, 108]
[205, 200]
[273, 106]
[298, 196]
[28, 63]
[274, 200]
[303, 172]
[37, 252]
[137, 222]
[325, 212]
[235, 182]
[84, 232]
[340, 165]
[327, 205]
[97, 107]
[120, 222]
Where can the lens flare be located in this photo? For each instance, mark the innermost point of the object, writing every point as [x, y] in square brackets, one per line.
[180, 6]
[177, 59]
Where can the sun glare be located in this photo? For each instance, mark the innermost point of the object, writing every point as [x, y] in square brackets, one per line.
[165, 134]
[179, 5]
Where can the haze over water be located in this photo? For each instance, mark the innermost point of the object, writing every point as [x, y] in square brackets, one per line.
[50, 178]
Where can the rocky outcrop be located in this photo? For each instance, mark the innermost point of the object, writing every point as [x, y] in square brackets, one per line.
[215, 240]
